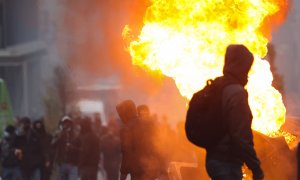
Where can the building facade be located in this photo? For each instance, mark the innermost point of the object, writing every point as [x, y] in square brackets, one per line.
[21, 56]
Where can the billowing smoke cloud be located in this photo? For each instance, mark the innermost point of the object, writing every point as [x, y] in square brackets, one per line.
[88, 38]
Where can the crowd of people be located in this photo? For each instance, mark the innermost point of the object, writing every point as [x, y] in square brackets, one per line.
[141, 145]
[149, 145]
[80, 147]
[218, 120]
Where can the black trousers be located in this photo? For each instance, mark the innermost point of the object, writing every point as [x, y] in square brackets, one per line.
[220, 170]
[88, 173]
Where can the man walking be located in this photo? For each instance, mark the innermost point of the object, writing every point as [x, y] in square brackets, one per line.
[225, 159]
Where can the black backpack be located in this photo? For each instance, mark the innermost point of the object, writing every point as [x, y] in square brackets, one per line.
[204, 124]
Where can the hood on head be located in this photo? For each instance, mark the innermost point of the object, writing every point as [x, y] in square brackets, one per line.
[25, 123]
[143, 111]
[39, 126]
[127, 110]
[66, 123]
[66, 119]
[238, 61]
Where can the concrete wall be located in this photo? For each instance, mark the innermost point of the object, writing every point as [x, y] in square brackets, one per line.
[287, 44]
[25, 84]
[22, 58]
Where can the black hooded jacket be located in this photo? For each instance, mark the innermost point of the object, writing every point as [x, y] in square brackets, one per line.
[90, 149]
[128, 114]
[46, 139]
[237, 145]
[7, 149]
[66, 144]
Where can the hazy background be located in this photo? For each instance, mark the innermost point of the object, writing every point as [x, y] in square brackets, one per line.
[84, 38]
[287, 44]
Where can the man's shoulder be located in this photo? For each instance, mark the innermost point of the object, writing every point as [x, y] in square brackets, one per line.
[233, 93]
[233, 89]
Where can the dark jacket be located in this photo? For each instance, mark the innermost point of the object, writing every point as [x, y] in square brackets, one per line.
[67, 147]
[128, 114]
[128, 162]
[237, 145]
[111, 147]
[148, 157]
[90, 149]
[32, 150]
[7, 153]
[140, 155]
[45, 138]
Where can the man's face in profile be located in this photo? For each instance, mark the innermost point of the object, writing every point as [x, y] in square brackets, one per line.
[144, 113]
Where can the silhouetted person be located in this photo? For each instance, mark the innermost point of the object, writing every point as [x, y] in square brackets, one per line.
[30, 145]
[139, 156]
[90, 151]
[110, 146]
[144, 113]
[76, 117]
[149, 158]
[46, 138]
[10, 162]
[128, 115]
[66, 144]
[225, 159]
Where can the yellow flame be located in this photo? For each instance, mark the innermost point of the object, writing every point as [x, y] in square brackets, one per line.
[186, 40]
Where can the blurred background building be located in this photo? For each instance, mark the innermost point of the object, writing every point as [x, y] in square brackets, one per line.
[30, 32]
[34, 68]
[21, 55]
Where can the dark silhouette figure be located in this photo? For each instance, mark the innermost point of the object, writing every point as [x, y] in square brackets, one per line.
[225, 159]
[139, 156]
[66, 144]
[30, 150]
[10, 162]
[90, 151]
[111, 151]
[128, 115]
[150, 159]
[48, 154]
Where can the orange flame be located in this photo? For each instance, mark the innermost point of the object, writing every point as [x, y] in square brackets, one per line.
[186, 40]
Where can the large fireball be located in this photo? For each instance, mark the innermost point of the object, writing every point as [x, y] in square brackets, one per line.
[186, 40]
